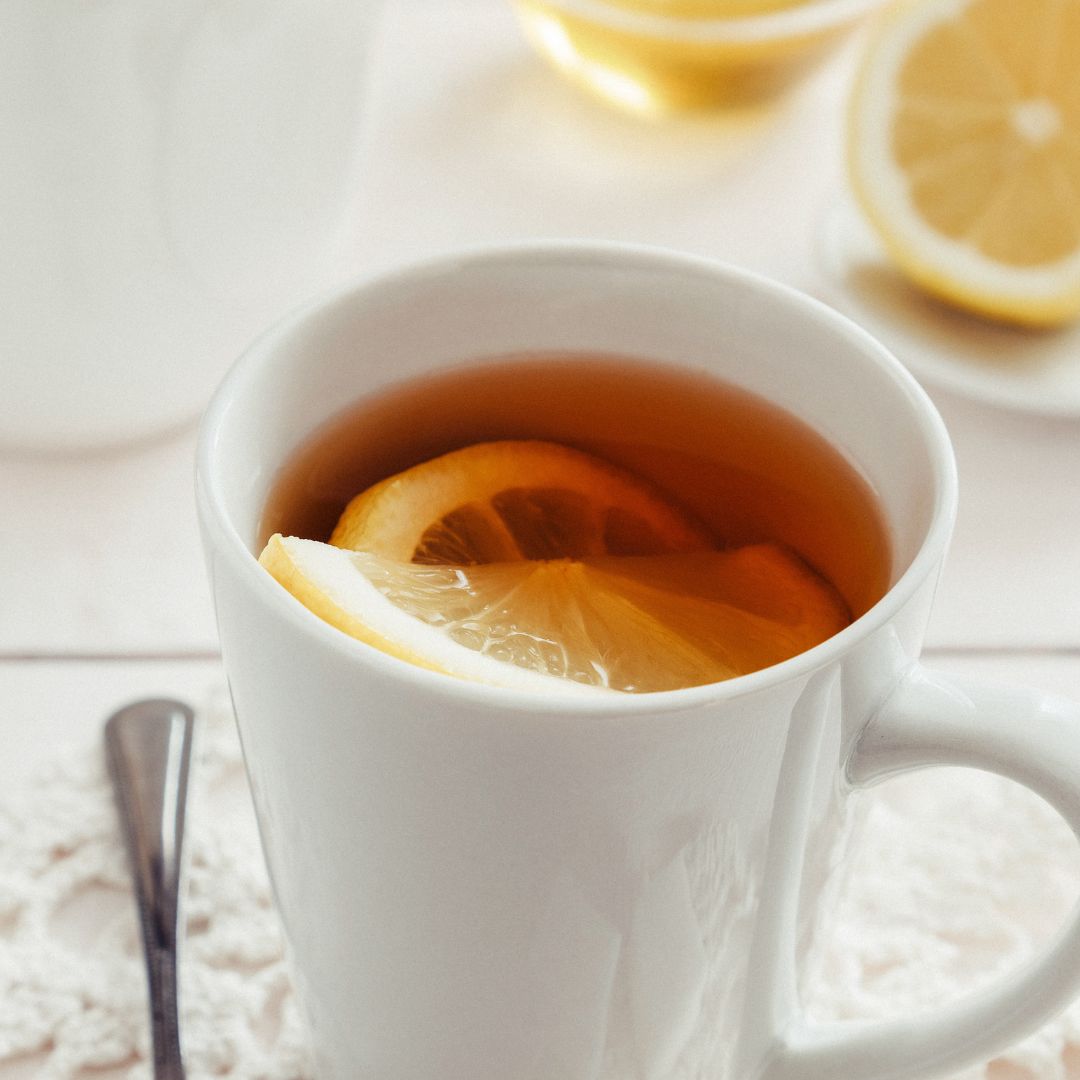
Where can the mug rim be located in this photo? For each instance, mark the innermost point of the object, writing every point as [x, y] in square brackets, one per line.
[224, 539]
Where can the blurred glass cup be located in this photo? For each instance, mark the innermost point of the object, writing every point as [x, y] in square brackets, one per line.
[173, 175]
[660, 56]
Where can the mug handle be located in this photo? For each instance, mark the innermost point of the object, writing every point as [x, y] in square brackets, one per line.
[1019, 733]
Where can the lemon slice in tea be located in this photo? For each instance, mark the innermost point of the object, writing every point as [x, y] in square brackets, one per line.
[500, 501]
[620, 623]
[964, 151]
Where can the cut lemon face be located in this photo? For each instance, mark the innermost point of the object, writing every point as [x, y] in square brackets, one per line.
[615, 623]
[501, 501]
[964, 152]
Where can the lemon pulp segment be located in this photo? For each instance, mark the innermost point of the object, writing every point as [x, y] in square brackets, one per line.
[500, 501]
[641, 623]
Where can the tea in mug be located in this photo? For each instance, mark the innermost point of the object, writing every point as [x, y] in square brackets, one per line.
[574, 521]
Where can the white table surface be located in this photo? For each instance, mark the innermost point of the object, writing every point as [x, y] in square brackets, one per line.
[472, 140]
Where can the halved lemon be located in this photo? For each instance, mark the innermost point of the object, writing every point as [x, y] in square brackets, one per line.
[617, 623]
[500, 501]
[964, 152]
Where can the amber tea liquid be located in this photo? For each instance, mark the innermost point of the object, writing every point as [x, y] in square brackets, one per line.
[749, 470]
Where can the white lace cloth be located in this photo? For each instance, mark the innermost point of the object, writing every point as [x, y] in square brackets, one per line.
[961, 875]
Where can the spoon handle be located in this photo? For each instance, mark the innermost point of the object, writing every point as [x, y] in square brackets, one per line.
[148, 746]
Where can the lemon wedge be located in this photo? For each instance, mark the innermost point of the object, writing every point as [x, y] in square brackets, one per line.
[501, 501]
[617, 623]
[964, 152]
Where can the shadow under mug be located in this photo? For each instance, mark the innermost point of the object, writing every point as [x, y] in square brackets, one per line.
[487, 883]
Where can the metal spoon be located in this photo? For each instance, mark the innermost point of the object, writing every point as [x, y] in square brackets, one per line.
[148, 746]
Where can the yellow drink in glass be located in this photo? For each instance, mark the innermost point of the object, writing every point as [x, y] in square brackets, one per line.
[658, 56]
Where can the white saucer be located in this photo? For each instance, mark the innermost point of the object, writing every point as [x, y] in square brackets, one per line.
[1030, 370]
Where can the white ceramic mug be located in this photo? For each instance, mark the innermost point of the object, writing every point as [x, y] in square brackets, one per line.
[488, 884]
[173, 174]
